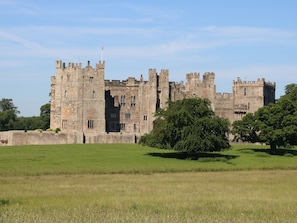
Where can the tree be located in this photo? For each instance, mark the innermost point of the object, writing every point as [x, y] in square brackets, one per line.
[274, 124]
[35, 122]
[188, 125]
[45, 115]
[7, 105]
[8, 114]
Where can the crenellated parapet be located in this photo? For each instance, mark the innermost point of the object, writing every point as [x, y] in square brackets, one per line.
[260, 81]
[78, 66]
[131, 81]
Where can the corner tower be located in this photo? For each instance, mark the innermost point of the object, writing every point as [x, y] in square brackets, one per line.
[77, 98]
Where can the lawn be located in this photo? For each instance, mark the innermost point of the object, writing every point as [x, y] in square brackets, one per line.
[133, 158]
[131, 183]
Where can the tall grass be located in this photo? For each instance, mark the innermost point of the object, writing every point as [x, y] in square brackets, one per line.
[240, 196]
[131, 183]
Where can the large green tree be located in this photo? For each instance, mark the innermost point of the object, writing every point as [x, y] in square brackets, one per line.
[8, 114]
[35, 122]
[274, 125]
[188, 125]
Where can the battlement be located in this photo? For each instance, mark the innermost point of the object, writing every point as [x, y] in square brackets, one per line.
[223, 96]
[131, 81]
[208, 76]
[61, 65]
[260, 81]
[193, 76]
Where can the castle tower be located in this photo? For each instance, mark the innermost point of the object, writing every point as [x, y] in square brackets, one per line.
[153, 102]
[163, 88]
[77, 98]
[249, 96]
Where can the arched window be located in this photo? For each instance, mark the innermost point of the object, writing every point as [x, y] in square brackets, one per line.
[94, 94]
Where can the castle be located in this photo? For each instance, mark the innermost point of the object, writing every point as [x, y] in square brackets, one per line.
[101, 110]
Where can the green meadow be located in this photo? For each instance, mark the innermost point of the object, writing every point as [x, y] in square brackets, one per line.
[132, 183]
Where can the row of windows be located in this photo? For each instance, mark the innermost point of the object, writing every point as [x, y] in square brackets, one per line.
[121, 126]
[123, 101]
[114, 115]
[91, 124]
[127, 116]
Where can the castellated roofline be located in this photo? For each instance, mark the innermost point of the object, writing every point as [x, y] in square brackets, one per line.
[259, 81]
[61, 65]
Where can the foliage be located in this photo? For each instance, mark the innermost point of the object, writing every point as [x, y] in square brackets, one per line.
[7, 105]
[275, 124]
[45, 115]
[10, 121]
[8, 114]
[188, 125]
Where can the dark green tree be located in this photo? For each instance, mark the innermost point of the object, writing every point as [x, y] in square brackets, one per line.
[188, 125]
[8, 114]
[35, 122]
[274, 125]
[45, 115]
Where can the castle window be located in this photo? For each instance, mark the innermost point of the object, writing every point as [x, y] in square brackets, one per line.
[113, 115]
[65, 94]
[94, 94]
[91, 79]
[116, 100]
[145, 117]
[123, 100]
[244, 91]
[127, 115]
[90, 124]
[133, 101]
[64, 123]
[122, 126]
[134, 126]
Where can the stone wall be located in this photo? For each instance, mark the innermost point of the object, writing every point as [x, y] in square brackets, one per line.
[14, 138]
[40, 138]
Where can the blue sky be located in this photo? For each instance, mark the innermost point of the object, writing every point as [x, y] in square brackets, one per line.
[247, 39]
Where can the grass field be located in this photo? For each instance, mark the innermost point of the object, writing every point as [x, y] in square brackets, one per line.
[131, 183]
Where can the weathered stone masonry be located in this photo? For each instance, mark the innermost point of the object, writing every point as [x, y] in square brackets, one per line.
[83, 101]
[89, 109]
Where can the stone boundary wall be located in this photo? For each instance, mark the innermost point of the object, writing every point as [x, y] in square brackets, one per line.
[113, 138]
[13, 138]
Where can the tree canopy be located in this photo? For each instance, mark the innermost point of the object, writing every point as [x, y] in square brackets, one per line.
[188, 125]
[274, 124]
[10, 121]
[8, 114]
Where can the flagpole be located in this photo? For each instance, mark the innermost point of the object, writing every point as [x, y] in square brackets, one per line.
[102, 53]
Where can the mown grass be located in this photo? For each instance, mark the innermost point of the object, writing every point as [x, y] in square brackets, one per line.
[131, 183]
[132, 158]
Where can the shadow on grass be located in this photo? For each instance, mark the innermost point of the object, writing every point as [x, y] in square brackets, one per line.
[194, 156]
[277, 152]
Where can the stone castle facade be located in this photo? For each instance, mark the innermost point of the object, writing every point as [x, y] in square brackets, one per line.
[83, 101]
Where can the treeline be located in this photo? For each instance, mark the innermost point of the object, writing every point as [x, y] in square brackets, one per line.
[10, 121]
